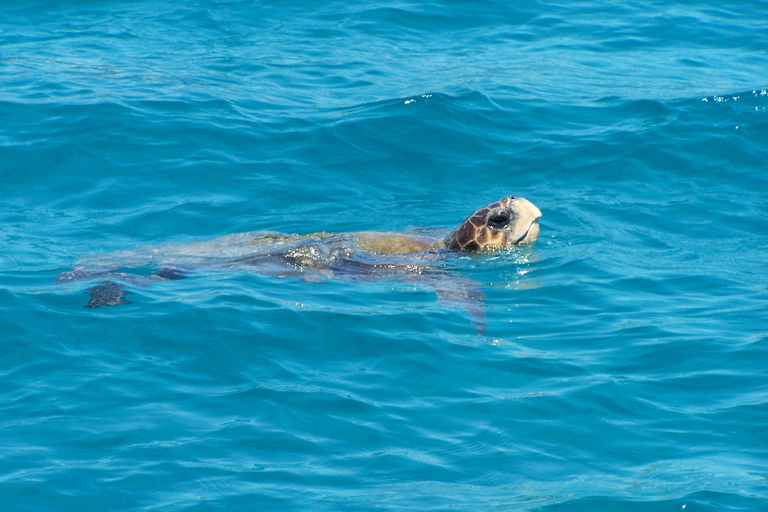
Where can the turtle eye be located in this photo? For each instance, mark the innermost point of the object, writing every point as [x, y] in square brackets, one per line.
[499, 219]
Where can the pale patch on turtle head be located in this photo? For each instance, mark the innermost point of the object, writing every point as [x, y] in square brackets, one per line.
[509, 221]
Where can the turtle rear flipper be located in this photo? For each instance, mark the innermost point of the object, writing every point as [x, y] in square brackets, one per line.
[106, 293]
[112, 293]
[170, 274]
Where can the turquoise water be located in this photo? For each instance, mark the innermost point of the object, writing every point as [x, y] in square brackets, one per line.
[624, 362]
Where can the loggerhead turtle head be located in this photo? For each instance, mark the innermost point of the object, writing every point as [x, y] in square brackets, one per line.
[509, 221]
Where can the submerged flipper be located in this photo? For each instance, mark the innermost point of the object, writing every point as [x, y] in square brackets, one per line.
[112, 293]
[169, 274]
[106, 293]
[459, 292]
[469, 297]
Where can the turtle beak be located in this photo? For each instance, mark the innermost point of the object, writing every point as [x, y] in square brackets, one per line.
[527, 221]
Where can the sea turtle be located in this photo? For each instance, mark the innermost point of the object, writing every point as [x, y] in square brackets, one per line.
[508, 222]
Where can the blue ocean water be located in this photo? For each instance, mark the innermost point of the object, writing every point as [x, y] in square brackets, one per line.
[624, 362]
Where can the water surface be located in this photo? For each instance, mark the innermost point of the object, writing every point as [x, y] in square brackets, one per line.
[623, 366]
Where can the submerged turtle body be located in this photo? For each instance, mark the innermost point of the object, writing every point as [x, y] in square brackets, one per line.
[504, 223]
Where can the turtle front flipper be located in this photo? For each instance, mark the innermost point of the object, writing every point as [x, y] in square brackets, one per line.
[106, 293]
[465, 294]
[459, 292]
